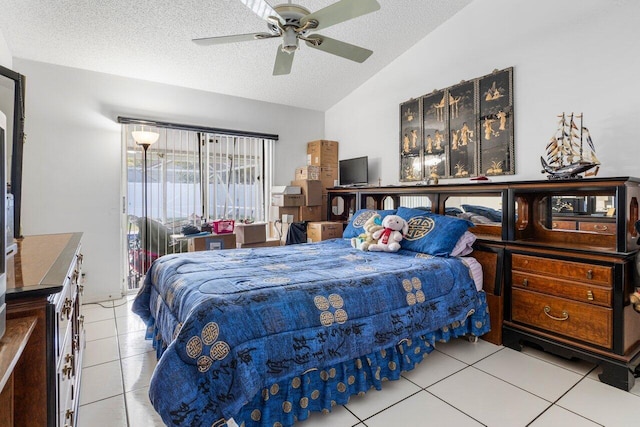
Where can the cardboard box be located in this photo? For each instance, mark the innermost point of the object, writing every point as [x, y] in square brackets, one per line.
[212, 242]
[322, 153]
[310, 213]
[265, 244]
[287, 200]
[285, 189]
[308, 172]
[323, 230]
[328, 176]
[276, 212]
[311, 190]
[251, 233]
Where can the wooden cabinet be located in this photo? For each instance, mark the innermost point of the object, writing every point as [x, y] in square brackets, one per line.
[46, 285]
[570, 274]
[559, 263]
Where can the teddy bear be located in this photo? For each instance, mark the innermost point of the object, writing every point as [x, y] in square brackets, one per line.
[395, 227]
[635, 300]
[364, 240]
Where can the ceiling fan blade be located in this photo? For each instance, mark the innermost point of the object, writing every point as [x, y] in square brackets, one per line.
[340, 12]
[209, 41]
[336, 47]
[262, 9]
[283, 64]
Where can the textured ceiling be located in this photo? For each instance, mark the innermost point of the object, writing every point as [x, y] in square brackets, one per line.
[151, 40]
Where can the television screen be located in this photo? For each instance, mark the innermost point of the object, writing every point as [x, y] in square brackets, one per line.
[354, 171]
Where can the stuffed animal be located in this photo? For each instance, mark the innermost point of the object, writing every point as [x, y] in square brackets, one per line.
[635, 300]
[395, 227]
[364, 240]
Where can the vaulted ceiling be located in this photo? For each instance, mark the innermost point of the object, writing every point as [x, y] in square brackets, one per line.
[152, 40]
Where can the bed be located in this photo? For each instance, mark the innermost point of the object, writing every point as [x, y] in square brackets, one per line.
[309, 326]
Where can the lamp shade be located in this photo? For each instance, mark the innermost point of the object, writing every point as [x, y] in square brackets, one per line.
[143, 137]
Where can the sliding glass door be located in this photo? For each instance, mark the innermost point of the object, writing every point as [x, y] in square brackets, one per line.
[190, 177]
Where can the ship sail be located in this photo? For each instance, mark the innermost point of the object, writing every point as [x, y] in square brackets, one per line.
[570, 151]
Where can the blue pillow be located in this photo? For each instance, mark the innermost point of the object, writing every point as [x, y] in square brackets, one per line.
[356, 225]
[492, 214]
[431, 233]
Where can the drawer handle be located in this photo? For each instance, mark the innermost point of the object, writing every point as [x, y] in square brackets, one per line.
[590, 295]
[66, 371]
[565, 315]
[525, 282]
[590, 274]
[599, 227]
[67, 307]
[554, 225]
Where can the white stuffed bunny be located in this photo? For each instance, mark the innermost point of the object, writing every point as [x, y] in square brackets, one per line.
[395, 227]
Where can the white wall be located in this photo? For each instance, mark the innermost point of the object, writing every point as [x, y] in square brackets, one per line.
[72, 158]
[569, 55]
[6, 59]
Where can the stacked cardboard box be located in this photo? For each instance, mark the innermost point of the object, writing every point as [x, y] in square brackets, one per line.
[306, 198]
[324, 154]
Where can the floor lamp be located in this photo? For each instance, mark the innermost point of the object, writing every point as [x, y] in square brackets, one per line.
[145, 139]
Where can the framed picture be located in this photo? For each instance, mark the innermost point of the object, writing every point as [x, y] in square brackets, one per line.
[496, 123]
[411, 141]
[435, 131]
[462, 130]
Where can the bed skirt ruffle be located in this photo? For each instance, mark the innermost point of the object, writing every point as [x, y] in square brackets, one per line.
[285, 402]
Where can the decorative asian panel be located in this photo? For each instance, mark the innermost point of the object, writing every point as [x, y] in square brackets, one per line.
[462, 131]
[496, 122]
[410, 141]
[435, 123]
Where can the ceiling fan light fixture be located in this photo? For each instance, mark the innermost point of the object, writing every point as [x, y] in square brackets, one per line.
[289, 40]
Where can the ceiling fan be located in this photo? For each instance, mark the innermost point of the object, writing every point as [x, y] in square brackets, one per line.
[293, 22]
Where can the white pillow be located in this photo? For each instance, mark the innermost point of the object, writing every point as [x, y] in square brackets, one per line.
[464, 245]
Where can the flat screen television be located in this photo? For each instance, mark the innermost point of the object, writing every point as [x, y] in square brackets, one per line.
[354, 171]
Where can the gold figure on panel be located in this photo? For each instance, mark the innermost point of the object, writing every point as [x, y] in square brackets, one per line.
[454, 139]
[453, 102]
[466, 134]
[460, 170]
[429, 144]
[414, 138]
[405, 143]
[493, 93]
[440, 109]
[502, 116]
[439, 139]
[488, 129]
[495, 169]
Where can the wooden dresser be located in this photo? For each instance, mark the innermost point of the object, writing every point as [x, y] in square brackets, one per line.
[44, 283]
[559, 263]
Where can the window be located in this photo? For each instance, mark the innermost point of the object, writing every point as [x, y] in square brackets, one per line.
[191, 177]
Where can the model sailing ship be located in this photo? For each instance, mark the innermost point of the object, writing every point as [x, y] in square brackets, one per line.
[570, 151]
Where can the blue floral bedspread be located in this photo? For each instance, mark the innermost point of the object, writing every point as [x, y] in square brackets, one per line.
[229, 323]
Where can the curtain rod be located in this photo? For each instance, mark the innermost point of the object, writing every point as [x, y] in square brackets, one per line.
[129, 120]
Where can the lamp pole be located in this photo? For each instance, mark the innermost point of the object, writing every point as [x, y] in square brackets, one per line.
[145, 266]
[145, 139]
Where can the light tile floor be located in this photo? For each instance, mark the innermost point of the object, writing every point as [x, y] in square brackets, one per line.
[459, 384]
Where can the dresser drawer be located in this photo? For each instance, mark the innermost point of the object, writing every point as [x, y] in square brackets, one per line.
[582, 272]
[598, 227]
[563, 225]
[563, 288]
[580, 321]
